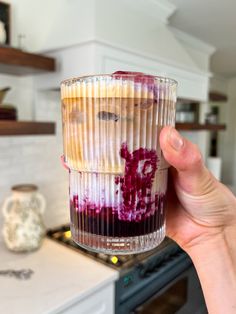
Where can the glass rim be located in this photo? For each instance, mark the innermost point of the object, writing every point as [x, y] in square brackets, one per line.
[160, 79]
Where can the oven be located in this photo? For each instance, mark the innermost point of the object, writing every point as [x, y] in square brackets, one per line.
[171, 288]
[160, 281]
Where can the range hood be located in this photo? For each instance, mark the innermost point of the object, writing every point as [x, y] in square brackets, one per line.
[129, 35]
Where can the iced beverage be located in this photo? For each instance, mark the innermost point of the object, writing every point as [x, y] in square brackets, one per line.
[118, 176]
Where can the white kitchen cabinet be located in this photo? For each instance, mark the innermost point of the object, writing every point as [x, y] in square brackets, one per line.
[99, 302]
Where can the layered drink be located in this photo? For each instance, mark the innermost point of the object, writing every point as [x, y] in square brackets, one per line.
[118, 176]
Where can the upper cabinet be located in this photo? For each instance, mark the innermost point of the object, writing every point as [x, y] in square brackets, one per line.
[17, 62]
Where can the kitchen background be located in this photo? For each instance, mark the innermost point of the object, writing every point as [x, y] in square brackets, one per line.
[86, 38]
[190, 41]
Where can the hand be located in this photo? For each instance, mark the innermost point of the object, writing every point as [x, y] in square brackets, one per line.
[201, 218]
[199, 207]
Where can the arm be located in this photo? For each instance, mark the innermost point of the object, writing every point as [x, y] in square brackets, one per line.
[217, 273]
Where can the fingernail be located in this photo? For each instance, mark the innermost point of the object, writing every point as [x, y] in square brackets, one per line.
[175, 139]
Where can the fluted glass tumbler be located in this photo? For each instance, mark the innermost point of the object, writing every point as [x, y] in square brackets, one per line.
[118, 176]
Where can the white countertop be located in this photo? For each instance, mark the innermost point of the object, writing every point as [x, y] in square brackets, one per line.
[61, 277]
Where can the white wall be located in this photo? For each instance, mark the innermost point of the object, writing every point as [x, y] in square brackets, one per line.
[125, 27]
[52, 24]
[219, 84]
[198, 50]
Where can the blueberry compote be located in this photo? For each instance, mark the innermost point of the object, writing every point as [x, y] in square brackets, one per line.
[137, 207]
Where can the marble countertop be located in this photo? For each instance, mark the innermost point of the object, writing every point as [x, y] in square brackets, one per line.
[61, 277]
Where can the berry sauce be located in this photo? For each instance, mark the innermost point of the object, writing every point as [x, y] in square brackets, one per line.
[140, 208]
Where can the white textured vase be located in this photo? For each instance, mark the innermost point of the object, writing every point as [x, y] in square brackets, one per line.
[23, 228]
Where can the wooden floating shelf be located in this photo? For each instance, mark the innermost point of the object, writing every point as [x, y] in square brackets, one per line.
[26, 128]
[216, 96]
[188, 101]
[197, 126]
[17, 62]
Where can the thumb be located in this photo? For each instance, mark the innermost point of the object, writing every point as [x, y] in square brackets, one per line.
[191, 174]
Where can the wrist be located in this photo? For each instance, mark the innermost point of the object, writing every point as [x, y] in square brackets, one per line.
[210, 242]
[218, 243]
[210, 248]
[213, 259]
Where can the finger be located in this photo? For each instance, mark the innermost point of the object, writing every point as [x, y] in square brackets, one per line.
[185, 157]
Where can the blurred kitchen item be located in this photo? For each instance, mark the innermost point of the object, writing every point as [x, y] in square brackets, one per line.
[3, 92]
[186, 113]
[21, 41]
[185, 117]
[23, 228]
[5, 23]
[214, 164]
[212, 117]
[8, 112]
[3, 33]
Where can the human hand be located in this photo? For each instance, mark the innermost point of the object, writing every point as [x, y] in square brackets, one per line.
[199, 207]
[201, 218]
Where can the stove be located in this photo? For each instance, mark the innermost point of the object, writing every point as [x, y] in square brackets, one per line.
[166, 250]
[163, 279]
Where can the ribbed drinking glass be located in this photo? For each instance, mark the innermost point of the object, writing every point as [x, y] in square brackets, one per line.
[118, 176]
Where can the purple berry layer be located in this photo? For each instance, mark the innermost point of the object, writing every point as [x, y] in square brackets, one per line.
[105, 221]
[137, 208]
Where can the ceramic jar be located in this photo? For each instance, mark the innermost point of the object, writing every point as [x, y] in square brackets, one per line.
[23, 228]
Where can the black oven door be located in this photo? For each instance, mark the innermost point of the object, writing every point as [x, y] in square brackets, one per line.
[181, 296]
